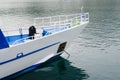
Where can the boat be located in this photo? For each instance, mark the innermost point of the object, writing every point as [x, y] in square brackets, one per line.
[18, 51]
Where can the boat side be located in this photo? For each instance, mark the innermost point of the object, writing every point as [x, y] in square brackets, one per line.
[24, 55]
[40, 49]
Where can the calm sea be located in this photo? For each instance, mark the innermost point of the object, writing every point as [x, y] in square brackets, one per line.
[95, 53]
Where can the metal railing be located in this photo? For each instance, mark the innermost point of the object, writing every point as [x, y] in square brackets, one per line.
[55, 21]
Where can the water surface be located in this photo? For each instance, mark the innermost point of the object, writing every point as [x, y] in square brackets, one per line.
[94, 53]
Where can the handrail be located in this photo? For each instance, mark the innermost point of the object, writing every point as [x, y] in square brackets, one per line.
[60, 20]
[56, 21]
[67, 19]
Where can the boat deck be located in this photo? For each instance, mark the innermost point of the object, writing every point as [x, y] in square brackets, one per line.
[46, 26]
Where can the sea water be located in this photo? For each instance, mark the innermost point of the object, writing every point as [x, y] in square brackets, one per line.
[94, 54]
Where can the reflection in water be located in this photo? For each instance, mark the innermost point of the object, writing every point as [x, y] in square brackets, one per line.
[58, 70]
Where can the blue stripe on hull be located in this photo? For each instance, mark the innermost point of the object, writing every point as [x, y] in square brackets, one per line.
[12, 76]
[33, 52]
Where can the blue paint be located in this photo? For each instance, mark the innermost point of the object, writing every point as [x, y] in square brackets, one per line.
[12, 76]
[50, 30]
[13, 38]
[24, 55]
[3, 42]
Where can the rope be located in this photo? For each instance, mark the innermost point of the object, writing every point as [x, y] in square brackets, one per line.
[67, 54]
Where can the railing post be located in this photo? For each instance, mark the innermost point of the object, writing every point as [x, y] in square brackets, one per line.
[88, 16]
[50, 21]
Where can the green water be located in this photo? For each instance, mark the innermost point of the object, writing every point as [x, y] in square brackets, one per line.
[94, 54]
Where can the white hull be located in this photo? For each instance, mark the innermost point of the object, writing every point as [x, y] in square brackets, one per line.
[38, 50]
[21, 56]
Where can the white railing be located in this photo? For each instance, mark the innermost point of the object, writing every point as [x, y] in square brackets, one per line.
[61, 20]
[53, 21]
